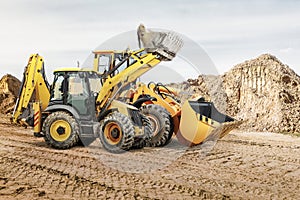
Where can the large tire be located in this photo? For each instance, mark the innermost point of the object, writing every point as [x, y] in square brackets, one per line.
[61, 130]
[116, 133]
[161, 122]
[144, 141]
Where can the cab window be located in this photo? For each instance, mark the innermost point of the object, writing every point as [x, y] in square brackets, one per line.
[104, 63]
[57, 87]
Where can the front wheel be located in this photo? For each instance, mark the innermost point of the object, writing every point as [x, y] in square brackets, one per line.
[145, 140]
[116, 133]
[61, 130]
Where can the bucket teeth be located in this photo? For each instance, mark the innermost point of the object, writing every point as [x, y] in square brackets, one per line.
[222, 130]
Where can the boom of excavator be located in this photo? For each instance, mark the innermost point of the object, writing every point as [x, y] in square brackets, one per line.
[34, 87]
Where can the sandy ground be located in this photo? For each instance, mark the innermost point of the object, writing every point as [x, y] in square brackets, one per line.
[242, 165]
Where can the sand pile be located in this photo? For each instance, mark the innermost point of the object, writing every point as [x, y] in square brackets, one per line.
[262, 91]
[9, 88]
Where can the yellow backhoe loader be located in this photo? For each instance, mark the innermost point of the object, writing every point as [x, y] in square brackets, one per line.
[80, 104]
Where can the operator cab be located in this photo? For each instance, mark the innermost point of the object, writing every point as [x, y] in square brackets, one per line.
[76, 88]
[116, 61]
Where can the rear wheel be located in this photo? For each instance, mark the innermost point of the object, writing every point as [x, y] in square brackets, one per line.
[61, 130]
[146, 138]
[161, 123]
[116, 133]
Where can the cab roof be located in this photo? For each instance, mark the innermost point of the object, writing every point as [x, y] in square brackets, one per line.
[108, 51]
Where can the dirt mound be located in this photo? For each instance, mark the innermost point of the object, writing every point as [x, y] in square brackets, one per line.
[210, 87]
[266, 92]
[262, 91]
[9, 88]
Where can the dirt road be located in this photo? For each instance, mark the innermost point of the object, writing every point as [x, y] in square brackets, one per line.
[240, 166]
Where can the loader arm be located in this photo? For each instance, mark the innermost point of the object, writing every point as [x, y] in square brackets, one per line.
[113, 83]
[138, 62]
[33, 87]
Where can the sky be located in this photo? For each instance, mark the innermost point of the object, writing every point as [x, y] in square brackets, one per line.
[226, 32]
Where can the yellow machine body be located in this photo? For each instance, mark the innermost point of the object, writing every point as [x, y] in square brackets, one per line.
[172, 106]
[194, 121]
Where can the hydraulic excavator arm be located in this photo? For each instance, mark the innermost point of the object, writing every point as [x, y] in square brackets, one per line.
[34, 88]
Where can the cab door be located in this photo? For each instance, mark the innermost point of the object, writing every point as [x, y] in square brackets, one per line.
[79, 95]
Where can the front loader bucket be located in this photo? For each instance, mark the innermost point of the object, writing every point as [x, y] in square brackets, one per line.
[166, 44]
[201, 121]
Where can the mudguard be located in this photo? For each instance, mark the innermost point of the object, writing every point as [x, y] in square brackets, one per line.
[67, 108]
